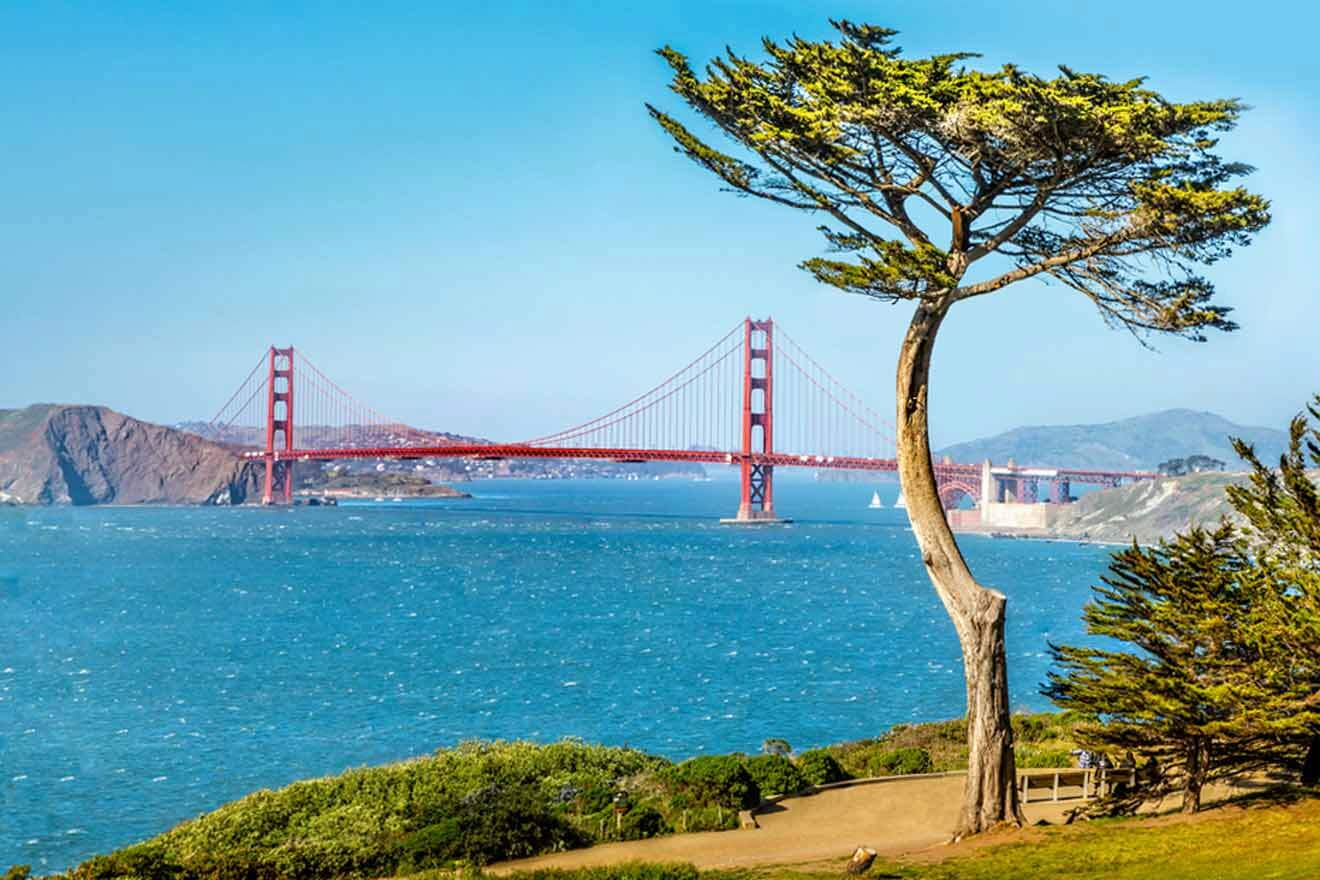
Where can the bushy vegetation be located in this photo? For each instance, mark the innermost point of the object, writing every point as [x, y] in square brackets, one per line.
[720, 779]
[476, 803]
[900, 762]
[483, 802]
[819, 767]
[776, 774]
[1041, 739]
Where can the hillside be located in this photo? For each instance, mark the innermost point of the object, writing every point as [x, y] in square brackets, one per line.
[1138, 443]
[55, 454]
[1148, 510]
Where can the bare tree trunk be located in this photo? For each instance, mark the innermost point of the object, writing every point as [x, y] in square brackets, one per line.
[1195, 778]
[990, 796]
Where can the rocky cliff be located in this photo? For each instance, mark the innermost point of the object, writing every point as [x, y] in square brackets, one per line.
[54, 454]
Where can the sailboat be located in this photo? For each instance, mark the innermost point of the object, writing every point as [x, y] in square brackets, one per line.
[876, 503]
[900, 504]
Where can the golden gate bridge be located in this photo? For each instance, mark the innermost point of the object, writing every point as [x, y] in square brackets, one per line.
[755, 400]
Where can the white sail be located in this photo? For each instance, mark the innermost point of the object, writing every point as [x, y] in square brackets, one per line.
[900, 504]
[876, 503]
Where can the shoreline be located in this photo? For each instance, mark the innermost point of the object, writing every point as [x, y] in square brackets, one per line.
[1038, 535]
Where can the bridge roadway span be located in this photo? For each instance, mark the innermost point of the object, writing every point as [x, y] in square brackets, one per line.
[701, 456]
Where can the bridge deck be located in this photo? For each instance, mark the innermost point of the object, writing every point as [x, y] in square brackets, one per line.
[703, 456]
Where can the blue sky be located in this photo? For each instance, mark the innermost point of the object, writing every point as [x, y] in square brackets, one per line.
[464, 215]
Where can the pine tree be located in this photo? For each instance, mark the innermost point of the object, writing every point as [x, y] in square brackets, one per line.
[1187, 696]
[1281, 509]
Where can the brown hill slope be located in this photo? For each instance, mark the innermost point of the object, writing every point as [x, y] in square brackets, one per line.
[55, 454]
[1149, 510]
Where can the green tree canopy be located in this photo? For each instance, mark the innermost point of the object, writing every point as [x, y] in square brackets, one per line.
[1281, 511]
[1107, 187]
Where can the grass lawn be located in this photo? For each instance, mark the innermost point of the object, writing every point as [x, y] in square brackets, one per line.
[1251, 840]
[1263, 839]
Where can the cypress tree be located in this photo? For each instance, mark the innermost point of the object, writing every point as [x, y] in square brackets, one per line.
[1179, 688]
[939, 182]
[1281, 510]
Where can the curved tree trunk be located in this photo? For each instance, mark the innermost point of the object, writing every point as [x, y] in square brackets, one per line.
[990, 796]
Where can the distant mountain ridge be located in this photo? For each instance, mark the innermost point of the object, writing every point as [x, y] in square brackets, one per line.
[64, 454]
[1137, 443]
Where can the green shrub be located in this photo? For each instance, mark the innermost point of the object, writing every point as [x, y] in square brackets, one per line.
[430, 846]
[900, 762]
[819, 768]
[18, 872]
[594, 798]
[715, 779]
[954, 730]
[775, 774]
[1032, 756]
[146, 861]
[508, 822]
[1029, 728]
[642, 822]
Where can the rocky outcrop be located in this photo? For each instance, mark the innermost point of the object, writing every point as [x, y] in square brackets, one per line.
[53, 454]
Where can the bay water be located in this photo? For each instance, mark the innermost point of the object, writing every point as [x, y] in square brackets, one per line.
[157, 662]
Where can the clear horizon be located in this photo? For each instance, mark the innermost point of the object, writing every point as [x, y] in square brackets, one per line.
[466, 218]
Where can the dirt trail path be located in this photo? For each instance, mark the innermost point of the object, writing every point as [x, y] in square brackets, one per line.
[894, 817]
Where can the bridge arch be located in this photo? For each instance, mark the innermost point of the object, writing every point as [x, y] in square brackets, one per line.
[954, 490]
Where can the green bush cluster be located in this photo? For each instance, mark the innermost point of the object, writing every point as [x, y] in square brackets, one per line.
[493, 822]
[900, 762]
[1044, 727]
[719, 779]
[477, 803]
[775, 774]
[820, 768]
[1028, 756]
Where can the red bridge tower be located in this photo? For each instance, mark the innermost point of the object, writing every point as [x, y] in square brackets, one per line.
[757, 504]
[279, 420]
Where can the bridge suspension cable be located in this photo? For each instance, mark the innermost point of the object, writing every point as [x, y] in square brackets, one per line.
[694, 408]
